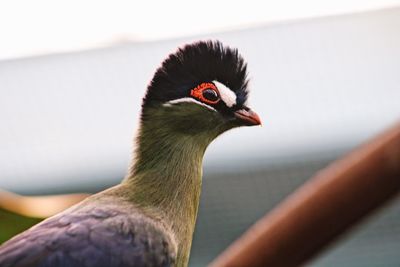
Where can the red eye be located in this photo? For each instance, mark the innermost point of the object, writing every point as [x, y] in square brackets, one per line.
[206, 92]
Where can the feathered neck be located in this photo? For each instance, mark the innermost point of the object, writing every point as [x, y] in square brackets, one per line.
[166, 173]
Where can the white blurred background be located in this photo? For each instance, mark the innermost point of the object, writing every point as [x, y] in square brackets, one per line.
[45, 26]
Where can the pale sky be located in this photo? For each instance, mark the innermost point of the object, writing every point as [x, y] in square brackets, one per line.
[48, 26]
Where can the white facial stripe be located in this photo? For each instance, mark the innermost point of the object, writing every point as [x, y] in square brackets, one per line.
[227, 95]
[187, 100]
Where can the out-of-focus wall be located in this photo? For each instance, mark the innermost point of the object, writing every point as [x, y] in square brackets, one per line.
[321, 86]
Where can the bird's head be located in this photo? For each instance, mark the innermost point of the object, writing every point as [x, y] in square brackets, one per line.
[201, 88]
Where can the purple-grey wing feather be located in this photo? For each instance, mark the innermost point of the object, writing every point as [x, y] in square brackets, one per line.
[99, 238]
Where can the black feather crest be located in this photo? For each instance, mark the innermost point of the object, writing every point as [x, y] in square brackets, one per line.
[193, 64]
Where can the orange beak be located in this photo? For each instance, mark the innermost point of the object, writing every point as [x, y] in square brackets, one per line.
[248, 117]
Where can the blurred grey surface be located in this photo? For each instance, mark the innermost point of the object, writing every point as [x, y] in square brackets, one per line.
[321, 86]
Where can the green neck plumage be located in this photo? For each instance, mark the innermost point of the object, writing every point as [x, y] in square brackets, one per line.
[167, 169]
[168, 158]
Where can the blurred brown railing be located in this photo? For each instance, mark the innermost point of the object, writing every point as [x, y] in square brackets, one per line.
[38, 206]
[334, 200]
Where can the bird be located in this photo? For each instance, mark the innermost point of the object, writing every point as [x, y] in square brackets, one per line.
[197, 93]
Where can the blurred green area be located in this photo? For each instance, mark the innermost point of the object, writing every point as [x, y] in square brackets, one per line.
[12, 224]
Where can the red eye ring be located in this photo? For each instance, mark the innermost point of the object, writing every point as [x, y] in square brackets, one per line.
[197, 92]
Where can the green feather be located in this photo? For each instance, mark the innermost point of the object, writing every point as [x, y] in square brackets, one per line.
[166, 174]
